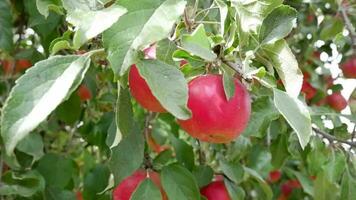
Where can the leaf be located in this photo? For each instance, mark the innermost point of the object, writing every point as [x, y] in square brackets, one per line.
[264, 185]
[305, 181]
[56, 170]
[229, 85]
[124, 113]
[179, 183]
[53, 193]
[203, 174]
[165, 49]
[279, 151]
[147, 190]
[287, 67]
[127, 156]
[223, 14]
[37, 93]
[145, 22]
[348, 185]
[296, 114]
[324, 189]
[184, 152]
[32, 145]
[234, 171]
[197, 43]
[278, 24]
[168, 85]
[91, 23]
[95, 182]
[263, 112]
[330, 28]
[236, 193]
[25, 184]
[43, 6]
[251, 13]
[6, 34]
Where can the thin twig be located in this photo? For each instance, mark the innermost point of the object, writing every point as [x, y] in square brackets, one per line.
[147, 131]
[349, 26]
[332, 138]
[237, 69]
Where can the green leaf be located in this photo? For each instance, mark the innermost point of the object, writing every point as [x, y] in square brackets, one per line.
[145, 22]
[44, 6]
[53, 193]
[56, 170]
[264, 185]
[179, 183]
[348, 186]
[236, 193]
[168, 85]
[127, 156]
[26, 184]
[263, 112]
[330, 28]
[165, 50]
[335, 167]
[203, 174]
[305, 181]
[32, 145]
[279, 151]
[296, 114]
[234, 171]
[124, 113]
[229, 85]
[287, 66]
[198, 43]
[147, 190]
[6, 34]
[184, 152]
[324, 189]
[37, 93]
[95, 182]
[278, 24]
[251, 13]
[91, 23]
[223, 14]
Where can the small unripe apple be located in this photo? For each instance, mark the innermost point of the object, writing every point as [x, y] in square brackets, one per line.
[274, 176]
[84, 93]
[215, 191]
[127, 187]
[141, 92]
[214, 118]
[22, 64]
[349, 68]
[336, 101]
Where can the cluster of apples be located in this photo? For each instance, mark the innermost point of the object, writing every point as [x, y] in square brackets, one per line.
[216, 190]
[214, 118]
[15, 66]
[335, 100]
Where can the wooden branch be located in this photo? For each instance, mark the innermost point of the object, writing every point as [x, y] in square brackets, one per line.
[332, 138]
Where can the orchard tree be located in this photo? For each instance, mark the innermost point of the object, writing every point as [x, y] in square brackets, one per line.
[177, 99]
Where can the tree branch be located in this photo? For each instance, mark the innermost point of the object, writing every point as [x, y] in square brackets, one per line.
[236, 68]
[349, 26]
[332, 138]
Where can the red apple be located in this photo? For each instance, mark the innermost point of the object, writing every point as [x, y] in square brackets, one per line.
[84, 93]
[214, 118]
[150, 52]
[8, 66]
[349, 68]
[79, 195]
[142, 93]
[274, 176]
[294, 183]
[286, 189]
[22, 64]
[336, 101]
[308, 90]
[127, 187]
[215, 191]
[310, 18]
[329, 81]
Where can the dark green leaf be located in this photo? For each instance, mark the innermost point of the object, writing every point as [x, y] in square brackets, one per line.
[234, 171]
[235, 192]
[147, 190]
[279, 151]
[229, 85]
[124, 113]
[184, 153]
[203, 174]
[6, 34]
[263, 184]
[95, 182]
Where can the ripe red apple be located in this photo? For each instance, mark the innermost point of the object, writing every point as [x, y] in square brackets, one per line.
[349, 68]
[215, 191]
[286, 189]
[308, 90]
[8, 66]
[84, 93]
[336, 101]
[274, 176]
[125, 189]
[22, 64]
[141, 92]
[214, 118]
